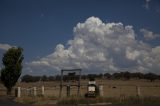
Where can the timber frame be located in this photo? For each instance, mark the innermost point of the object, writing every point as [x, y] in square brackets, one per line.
[78, 83]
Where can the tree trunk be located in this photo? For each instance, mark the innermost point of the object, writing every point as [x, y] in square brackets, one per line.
[9, 91]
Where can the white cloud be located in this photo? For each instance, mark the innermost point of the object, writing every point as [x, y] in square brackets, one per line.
[149, 35]
[5, 46]
[132, 55]
[102, 47]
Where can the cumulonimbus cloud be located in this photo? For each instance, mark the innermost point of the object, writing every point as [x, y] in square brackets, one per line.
[102, 47]
[149, 35]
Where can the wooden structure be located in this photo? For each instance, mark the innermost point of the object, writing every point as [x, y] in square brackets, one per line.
[73, 72]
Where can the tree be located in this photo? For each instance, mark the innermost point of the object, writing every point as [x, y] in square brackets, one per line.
[27, 78]
[127, 75]
[151, 76]
[117, 75]
[51, 78]
[44, 78]
[107, 75]
[12, 62]
[137, 75]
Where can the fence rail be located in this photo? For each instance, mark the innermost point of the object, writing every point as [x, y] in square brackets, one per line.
[107, 90]
[32, 91]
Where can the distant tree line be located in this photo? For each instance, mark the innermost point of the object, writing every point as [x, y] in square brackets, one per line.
[128, 76]
[116, 76]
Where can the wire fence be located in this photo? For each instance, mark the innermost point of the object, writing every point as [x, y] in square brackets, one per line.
[108, 91]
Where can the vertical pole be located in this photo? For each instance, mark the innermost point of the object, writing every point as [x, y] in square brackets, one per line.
[43, 90]
[30, 91]
[79, 83]
[138, 91]
[68, 90]
[101, 90]
[34, 91]
[61, 84]
[19, 92]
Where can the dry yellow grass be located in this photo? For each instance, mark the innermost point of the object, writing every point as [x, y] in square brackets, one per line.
[112, 88]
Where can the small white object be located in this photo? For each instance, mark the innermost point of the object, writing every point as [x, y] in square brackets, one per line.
[91, 89]
[138, 91]
[101, 90]
[92, 82]
[42, 90]
[19, 92]
[34, 91]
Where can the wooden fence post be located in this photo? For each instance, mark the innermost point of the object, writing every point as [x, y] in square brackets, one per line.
[138, 91]
[68, 90]
[101, 90]
[43, 90]
[34, 91]
[18, 92]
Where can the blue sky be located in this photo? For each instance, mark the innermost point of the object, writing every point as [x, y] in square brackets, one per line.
[39, 26]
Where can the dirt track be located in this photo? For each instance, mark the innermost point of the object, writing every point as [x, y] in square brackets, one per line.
[5, 101]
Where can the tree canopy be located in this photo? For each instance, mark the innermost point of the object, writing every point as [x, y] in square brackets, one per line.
[12, 62]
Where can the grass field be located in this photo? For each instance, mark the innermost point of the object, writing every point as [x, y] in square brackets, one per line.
[119, 89]
[112, 88]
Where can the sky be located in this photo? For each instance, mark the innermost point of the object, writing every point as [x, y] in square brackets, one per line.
[97, 36]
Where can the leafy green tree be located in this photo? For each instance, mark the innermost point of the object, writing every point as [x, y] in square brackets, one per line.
[12, 62]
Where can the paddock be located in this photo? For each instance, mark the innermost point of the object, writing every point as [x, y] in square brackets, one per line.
[111, 88]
